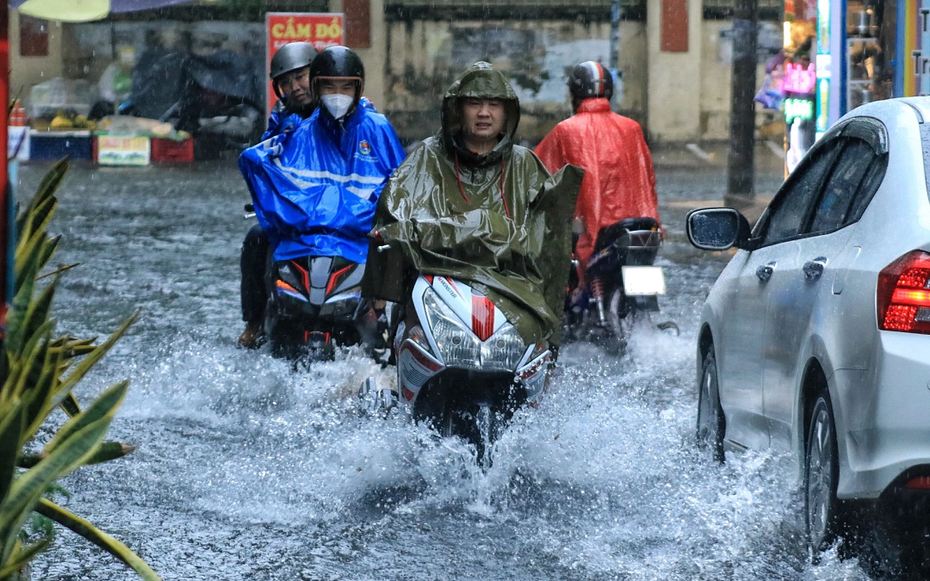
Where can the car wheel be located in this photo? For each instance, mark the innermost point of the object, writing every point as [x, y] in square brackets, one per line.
[711, 423]
[821, 471]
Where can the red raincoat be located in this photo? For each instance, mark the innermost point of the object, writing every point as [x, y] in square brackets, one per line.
[619, 180]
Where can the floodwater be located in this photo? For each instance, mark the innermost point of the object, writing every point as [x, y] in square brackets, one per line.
[246, 469]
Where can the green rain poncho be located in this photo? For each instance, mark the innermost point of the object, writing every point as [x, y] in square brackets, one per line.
[498, 221]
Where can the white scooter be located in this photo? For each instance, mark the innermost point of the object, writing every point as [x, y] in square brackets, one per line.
[461, 365]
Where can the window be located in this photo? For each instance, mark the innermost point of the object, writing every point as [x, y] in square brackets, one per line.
[793, 202]
[857, 175]
[33, 36]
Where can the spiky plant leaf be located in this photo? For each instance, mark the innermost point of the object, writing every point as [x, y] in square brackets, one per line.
[43, 380]
[39, 309]
[48, 250]
[21, 557]
[59, 270]
[28, 487]
[96, 536]
[71, 406]
[81, 369]
[21, 368]
[106, 452]
[26, 265]
[47, 188]
[67, 454]
[11, 425]
[103, 407]
[15, 338]
[37, 374]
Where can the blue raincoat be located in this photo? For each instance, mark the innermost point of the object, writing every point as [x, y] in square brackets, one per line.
[315, 187]
[279, 121]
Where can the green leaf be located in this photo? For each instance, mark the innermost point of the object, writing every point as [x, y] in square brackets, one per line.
[42, 381]
[22, 557]
[11, 424]
[48, 251]
[26, 259]
[103, 408]
[28, 488]
[50, 182]
[39, 308]
[71, 406]
[22, 298]
[96, 536]
[33, 354]
[91, 359]
[59, 270]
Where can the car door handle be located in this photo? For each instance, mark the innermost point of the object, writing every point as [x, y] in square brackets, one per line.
[764, 272]
[813, 269]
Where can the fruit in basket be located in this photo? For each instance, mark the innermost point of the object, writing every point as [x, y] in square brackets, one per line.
[61, 122]
[82, 122]
[162, 129]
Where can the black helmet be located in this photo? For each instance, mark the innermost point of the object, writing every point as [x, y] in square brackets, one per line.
[338, 62]
[290, 57]
[589, 80]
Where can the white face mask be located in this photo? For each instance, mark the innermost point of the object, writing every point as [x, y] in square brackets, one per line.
[337, 105]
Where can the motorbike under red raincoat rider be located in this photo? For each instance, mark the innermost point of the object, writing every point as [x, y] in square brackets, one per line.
[495, 219]
[619, 180]
[315, 187]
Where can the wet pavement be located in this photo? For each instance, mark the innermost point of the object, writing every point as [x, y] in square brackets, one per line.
[246, 469]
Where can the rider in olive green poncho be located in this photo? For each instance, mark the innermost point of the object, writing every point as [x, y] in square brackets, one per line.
[498, 221]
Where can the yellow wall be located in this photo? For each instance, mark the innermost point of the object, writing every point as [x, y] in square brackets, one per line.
[28, 71]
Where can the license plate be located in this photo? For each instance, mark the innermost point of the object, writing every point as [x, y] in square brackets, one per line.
[643, 280]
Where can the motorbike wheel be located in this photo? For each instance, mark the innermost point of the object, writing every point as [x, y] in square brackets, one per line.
[480, 427]
[621, 319]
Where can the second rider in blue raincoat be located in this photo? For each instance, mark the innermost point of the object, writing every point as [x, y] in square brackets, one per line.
[315, 187]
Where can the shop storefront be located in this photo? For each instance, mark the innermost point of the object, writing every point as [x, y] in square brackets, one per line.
[840, 54]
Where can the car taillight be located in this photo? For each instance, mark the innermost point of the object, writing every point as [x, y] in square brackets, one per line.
[904, 294]
[918, 483]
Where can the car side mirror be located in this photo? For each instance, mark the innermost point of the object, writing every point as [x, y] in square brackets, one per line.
[717, 228]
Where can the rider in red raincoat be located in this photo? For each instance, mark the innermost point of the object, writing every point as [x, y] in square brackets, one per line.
[619, 180]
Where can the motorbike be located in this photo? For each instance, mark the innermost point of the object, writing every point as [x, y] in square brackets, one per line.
[622, 285]
[461, 365]
[315, 305]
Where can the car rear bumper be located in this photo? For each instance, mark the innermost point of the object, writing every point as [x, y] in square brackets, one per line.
[887, 428]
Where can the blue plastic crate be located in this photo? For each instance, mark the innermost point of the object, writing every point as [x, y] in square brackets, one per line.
[53, 145]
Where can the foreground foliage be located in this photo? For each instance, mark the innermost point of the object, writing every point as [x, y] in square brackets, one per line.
[37, 375]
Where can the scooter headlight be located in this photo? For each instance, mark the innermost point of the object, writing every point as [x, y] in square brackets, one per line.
[458, 346]
[504, 349]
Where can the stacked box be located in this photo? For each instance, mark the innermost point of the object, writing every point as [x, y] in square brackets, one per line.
[116, 149]
[53, 145]
[169, 150]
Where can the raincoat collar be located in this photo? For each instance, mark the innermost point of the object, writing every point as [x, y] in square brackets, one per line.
[482, 82]
[334, 129]
[596, 105]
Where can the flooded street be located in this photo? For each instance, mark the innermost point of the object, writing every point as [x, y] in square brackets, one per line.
[246, 469]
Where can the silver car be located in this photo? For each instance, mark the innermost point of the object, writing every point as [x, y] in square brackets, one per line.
[816, 337]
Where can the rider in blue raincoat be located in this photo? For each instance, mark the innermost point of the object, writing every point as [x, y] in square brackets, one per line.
[315, 187]
[290, 77]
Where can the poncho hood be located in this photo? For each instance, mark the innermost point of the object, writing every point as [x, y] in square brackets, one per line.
[479, 81]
